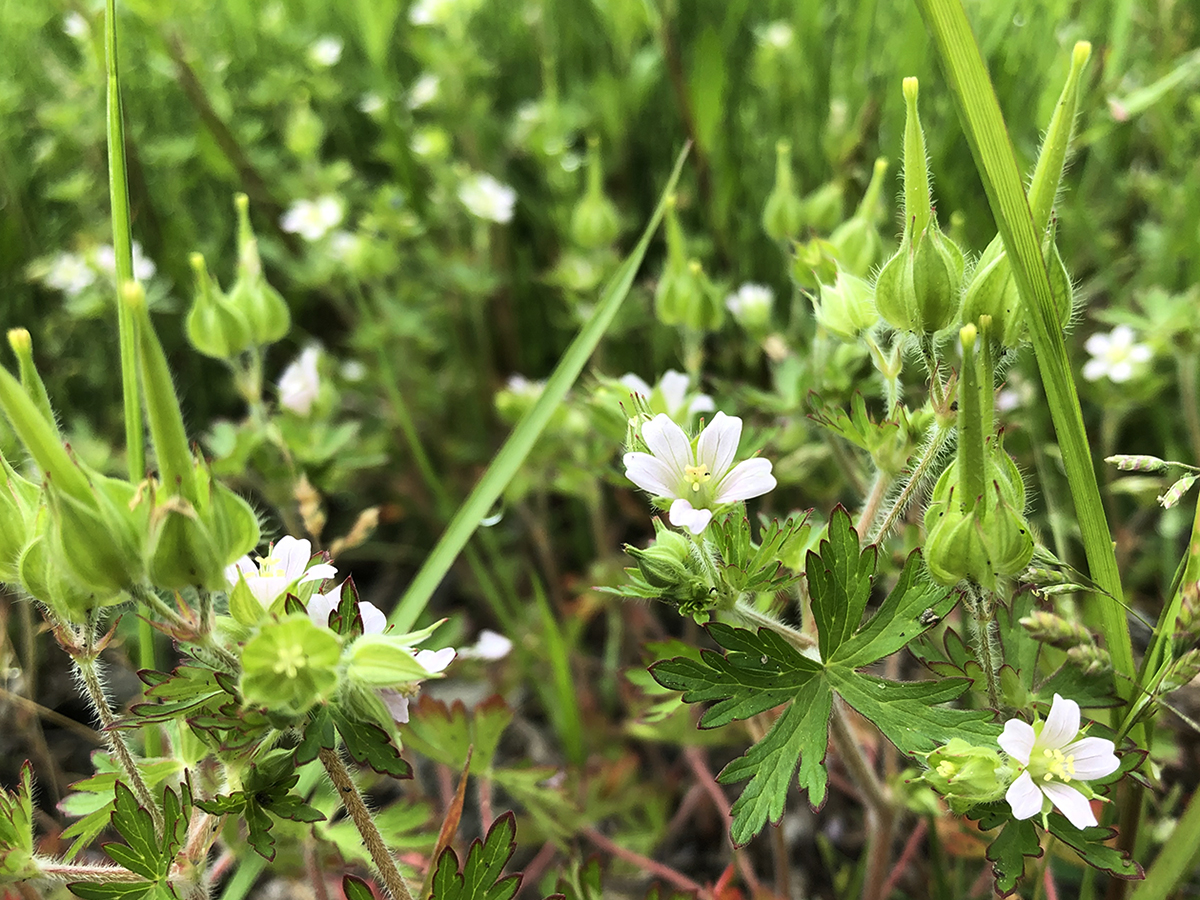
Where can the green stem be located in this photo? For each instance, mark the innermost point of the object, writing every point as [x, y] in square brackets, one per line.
[60, 872]
[118, 189]
[928, 458]
[983, 609]
[757, 619]
[880, 812]
[1176, 858]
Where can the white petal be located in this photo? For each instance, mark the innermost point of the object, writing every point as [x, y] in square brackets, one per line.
[268, 588]
[319, 572]
[635, 385]
[651, 474]
[674, 387]
[701, 403]
[396, 703]
[1024, 797]
[321, 607]
[1097, 344]
[682, 515]
[373, 619]
[1017, 740]
[1121, 371]
[293, 555]
[1122, 337]
[750, 478]
[718, 445]
[1094, 758]
[489, 646]
[1140, 353]
[1062, 724]
[434, 661]
[245, 566]
[668, 442]
[1095, 369]
[1070, 803]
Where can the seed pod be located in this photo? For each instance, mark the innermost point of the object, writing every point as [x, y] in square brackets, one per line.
[856, 242]
[594, 221]
[265, 310]
[847, 307]
[664, 563]
[783, 214]
[214, 326]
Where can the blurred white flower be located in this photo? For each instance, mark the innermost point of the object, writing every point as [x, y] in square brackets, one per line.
[777, 34]
[300, 382]
[424, 91]
[1114, 355]
[670, 395]
[284, 566]
[751, 305]
[70, 273]
[312, 219]
[489, 646]
[76, 26]
[525, 387]
[326, 51]
[354, 370]
[344, 245]
[431, 12]
[487, 198]
[370, 103]
[105, 259]
[1051, 759]
[699, 477]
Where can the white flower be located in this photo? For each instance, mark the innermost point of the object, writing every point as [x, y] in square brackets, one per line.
[430, 12]
[105, 259]
[284, 567]
[326, 51]
[70, 274]
[1051, 759]
[354, 370]
[524, 387]
[371, 103]
[778, 35]
[76, 26]
[300, 382]
[487, 198]
[489, 646]
[1114, 355]
[322, 606]
[670, 395]
[344, 245]
[433, 662]
[424, 91]
[751, 305]
[698, 476]
[312, 219]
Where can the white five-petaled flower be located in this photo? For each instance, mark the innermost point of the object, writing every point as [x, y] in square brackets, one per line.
[424, 91]
[673, 390]
[70, 273]
[699, 477]
[487, 198]
[326, 51]
[106, 261]
[312, 219]
[1052, 756]
[300, 382]
[489, 646]
[285, 566]
[751, 305]
[1114, 355]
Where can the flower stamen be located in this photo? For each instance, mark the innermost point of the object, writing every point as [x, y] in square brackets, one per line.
[696, 476]
[290, 660]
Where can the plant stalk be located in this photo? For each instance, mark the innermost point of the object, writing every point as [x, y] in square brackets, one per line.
[881, 815]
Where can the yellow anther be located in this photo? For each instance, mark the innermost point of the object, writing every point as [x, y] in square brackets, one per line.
[947, 769]
[696, 475]
[290, 661]
[269, 567]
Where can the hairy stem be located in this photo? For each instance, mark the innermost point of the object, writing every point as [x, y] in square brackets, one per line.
[881, 815]
[54, 870]
[929, 456]
[982, 605]
[751, 616]
[352, 800]
[89, 673]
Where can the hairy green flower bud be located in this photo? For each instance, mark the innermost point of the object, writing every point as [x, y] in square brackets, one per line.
[22, 345]
[993, 291]
[44, 578]
[664, 563]
[856, 242]
[783, 214]
[214, 326]
[265, 310]
[814, 263]
[19, 501]
[847, 307]
[290, 666]
[100, 541]
[182, 553]
[595, 221]
[967, 775]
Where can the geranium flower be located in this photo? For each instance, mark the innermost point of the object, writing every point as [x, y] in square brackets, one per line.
[312, 219]
[1114, 355]
[285, 566]
[1053, 760]
[698, 476]
[670, 395]
[300, 382]
[487, 198]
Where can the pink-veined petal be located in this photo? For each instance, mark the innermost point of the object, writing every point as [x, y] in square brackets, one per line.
[669, 444]
[651, 474]
[1024, 797]
[1018, 740]
[373, 619]
[321, 607]
[749, 478]
[1070, 803]
[718, 444]
[1093, 758]
[683, 515]
[1062, 724]
[292, 555]
[434, 661]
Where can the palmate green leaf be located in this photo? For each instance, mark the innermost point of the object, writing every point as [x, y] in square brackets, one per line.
[480, 877]
[1008, 852]
[839, 581]
[370, 745]
[92, 799]
[799, 736]
[444, 733]
[760, 671]
[1092, 846]
[141, 852]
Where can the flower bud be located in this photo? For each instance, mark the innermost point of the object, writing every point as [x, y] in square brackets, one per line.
[19, 501]
[670, 296]
[856, 242]
[814, 264]
[967, 775]
[993, 291]
[100, 541]
[265, 310]
[702, 309]
[48, 582]
[847, 307]
[214, 326]
[664, 563]
[1094, 660]
[290, 666]
[822, 208]
[31, 380]
[1048, 628]
[783, 214]
[751, 307]
[595, 221]
[182, 553]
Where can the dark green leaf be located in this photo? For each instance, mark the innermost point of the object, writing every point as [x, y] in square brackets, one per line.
[356, 889]
[1090, 844]
[222, 804]
[839, 583]
[115, 891]
[1089, 691]
[480, 878]
[293, 807]
[908, 713]
[258, 825]
[799, 735]
[319, 734]
[1007, 853]
[760, 671]
[142, 853]
[914, 606]
[1018, 646]
[370, 745]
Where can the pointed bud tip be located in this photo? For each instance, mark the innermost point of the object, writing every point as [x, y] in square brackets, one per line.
[1081, 54]
[910, 89]
[241, 202]
[783, 147]
[967, 334]
[20, 341]
[197, 262]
